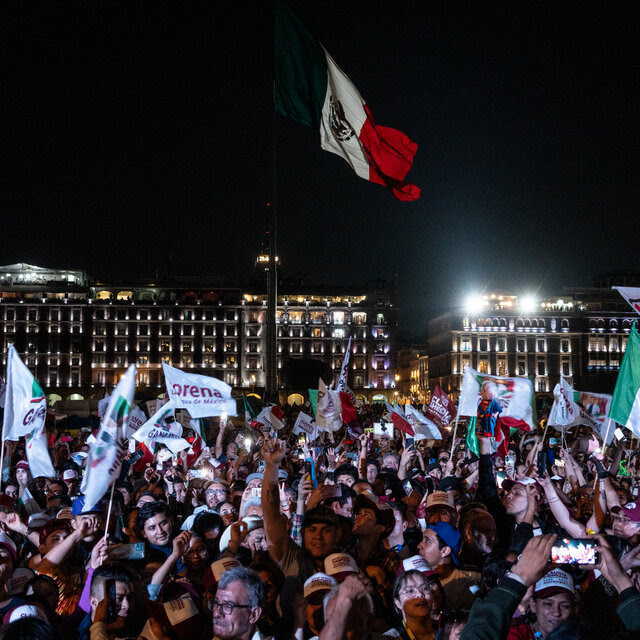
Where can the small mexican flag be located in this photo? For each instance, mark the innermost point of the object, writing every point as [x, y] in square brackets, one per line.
[311, 89]
[625, 404]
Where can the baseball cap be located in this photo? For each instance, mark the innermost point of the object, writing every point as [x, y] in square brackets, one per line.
[77, 508]
[252, 522]
[631, 510]
[9, 545]
[69, 474]
[318, 583]
[440, 499]
[255, 476]
[23, 464]
[320, 515]
[433, 466]
[79, 457]
[451, 537]
[340, 565]
[416, 563]
[25, 611]
[53, 526]
[554, 582]
[18, 581]
[384, 513]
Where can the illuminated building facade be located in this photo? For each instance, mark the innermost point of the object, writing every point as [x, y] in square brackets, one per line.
[75, 333]
[581, 335]
[413, 374]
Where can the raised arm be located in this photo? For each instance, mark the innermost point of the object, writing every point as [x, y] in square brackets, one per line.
[560, 512]
[275, 527]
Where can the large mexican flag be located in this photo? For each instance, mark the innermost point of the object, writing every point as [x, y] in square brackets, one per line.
[312, 89]
[625, 404]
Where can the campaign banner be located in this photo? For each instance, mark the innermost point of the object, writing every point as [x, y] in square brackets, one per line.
[421, 424]
[565, 412]
[595, 412]
[107, 452]
[512, 395]
[158, 430]
[307, 425]
[441, 408]
[202, 396]
[328, 409]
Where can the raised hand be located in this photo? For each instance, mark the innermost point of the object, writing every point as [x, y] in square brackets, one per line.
[181, 543]
[532, 563]
[273, 451]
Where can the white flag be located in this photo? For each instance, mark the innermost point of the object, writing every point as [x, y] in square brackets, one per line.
[421, 424]
[38, 454]
[564, 411]
[157, 429]
[24, 415]
[328, 409]
[202, 396]
[271, 417]
[106, 454]
[344, 372]
[136, 420]
[306, 424]
[631, 295]
[512, 394]
[25, 404]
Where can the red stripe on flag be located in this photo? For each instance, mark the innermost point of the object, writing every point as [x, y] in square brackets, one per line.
[401, 424]
[390, 154]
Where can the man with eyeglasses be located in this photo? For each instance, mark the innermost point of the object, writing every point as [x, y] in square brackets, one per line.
[216, 492]
[237, 606]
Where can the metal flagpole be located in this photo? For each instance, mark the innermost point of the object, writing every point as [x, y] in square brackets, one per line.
[455, 431]
[106, 524]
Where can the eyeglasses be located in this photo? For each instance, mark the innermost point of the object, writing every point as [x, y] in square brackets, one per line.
[227, 607]
[202, 552]
[211, 492]
[623, 520]
[413, 592]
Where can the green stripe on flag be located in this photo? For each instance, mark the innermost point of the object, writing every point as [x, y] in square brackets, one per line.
[313, 399]
[472, 439]
[628, 384]
[300, 70]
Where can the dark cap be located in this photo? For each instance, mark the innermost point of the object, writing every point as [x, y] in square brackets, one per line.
[320, 515]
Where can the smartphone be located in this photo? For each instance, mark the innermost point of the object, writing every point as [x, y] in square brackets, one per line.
[199, 473]
[135, 456]
[380, 429]
[618, 433]
[301, 440]
[408, 489]
[559, 463]
[409, 442]
[132, 551]
[501, 476]
[110, 596]
[256, 492]
[352, 455]
[542, 463]
[575, 551]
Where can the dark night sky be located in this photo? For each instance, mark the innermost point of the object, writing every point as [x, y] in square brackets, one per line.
[136, 132]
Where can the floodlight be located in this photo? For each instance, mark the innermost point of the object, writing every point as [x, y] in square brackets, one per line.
[475, 304]
[527, 304]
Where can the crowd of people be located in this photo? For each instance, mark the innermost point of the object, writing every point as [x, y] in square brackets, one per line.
[346, 536]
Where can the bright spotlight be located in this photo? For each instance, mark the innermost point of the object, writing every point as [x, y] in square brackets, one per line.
[474, 304]
[527, 304]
